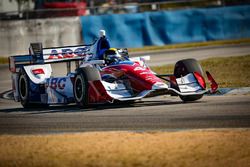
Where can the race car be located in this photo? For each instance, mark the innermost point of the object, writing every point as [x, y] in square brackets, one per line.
[101, 75]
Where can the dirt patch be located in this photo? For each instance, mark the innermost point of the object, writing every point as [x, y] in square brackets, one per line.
[188, 148]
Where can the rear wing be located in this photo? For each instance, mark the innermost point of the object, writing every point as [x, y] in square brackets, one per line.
[40, 55]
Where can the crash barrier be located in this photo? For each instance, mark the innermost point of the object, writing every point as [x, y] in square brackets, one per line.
[16, 36]
[128, 30]
[170, 27]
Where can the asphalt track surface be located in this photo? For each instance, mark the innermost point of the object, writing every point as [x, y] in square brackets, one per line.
[159, 113]
[162, 113]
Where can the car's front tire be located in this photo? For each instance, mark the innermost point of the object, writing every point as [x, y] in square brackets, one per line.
[184, 67]
[191, 98]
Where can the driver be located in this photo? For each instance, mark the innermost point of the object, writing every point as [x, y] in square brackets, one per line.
[111, 56]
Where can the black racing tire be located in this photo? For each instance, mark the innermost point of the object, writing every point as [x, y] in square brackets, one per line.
[23, 89]
[80, 89]
[24, 94]
[191, 98]
[184, 67]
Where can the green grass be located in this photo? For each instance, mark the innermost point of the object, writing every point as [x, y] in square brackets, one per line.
[228, 72]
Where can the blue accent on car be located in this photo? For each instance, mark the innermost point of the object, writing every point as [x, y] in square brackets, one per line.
[35, 92]
[102, 46]
[126, 62]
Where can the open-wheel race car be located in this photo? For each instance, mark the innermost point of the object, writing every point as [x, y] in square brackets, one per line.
[101, 75]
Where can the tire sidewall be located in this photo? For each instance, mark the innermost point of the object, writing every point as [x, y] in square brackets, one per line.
[78, 78]
[82, 100]
[191, 98]
[23, 88]
[186, 66]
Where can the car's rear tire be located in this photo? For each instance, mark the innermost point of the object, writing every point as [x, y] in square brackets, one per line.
[24, 92]
[80, 89]
[23, 89]
[184, 67]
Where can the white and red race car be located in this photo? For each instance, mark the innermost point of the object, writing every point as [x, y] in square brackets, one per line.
[101, 75]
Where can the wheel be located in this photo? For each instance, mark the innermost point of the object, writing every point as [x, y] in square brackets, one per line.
[24, 94]
[23, 89]
[191, 98]
[184, 67]
[81, 89]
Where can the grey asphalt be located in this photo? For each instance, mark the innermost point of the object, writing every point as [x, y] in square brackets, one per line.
[159, 113]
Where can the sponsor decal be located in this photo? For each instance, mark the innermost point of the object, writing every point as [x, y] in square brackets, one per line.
[68, 52]
[55, 83]
[145, 72]
[139, 69]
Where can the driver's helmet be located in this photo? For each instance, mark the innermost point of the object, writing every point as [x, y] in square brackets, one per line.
[111, 56]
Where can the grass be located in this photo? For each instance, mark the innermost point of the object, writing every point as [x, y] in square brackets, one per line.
[189, 45]
[185, 4]
[4, 60]
[128, 149]
[228, 72]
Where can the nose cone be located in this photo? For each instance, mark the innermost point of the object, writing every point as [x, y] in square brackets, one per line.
[143, 78]
[139, 77]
